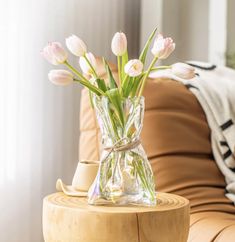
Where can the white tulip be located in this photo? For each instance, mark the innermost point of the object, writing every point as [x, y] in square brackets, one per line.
[85, 66]
[163, 47]
[54, 53]
[133, 68]
[119, 44]
[60, 77]
[76, 45]
[183, 70]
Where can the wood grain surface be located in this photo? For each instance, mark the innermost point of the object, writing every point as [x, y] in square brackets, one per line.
[71, 219]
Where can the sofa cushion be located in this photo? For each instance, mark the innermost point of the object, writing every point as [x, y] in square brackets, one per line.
[212, 226]
[176, 137]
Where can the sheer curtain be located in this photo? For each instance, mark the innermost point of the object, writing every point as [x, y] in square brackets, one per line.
[202, 29]
[39, 122]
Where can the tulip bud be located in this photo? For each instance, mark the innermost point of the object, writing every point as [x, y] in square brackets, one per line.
[85, 66]
[60, 77]
[119, 44]
[54, 53]
[163, 47]
[76, 45]
[133, 67]
[183, 70]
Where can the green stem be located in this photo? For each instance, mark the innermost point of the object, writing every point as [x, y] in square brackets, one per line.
[146, 75]
[142, 175]
[124, 61]
[160, 68]
[91, 87]
[92, 68]
[84, 81]
[75, 71]
[113, 124]
[119, 69]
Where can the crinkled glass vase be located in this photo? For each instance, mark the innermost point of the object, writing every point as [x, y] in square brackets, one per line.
[125, 175]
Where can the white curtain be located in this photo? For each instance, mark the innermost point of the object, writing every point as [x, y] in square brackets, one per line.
[39, 122]
[202, 29]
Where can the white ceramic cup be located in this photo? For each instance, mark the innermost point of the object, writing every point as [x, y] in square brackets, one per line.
[85, 175]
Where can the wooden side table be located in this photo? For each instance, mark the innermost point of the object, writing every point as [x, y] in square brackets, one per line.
[71, 219]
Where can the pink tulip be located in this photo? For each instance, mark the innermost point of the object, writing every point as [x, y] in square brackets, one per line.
[76, 45]
[85, 66]
[163, 47]
[183, 70]
[60, 77]
[54, 53]
[133, 68]
[119, 44]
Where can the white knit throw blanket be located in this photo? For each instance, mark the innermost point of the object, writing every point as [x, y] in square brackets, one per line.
[214, 88]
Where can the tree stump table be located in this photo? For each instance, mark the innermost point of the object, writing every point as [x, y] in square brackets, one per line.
[71, 219]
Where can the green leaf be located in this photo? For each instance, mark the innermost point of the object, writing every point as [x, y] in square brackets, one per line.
[124, 61]
[101, 84]
[146, 47]
[91, 87]
[116, 99]
[130, 86]
[136, 85]
[112, 82]
[125, 86]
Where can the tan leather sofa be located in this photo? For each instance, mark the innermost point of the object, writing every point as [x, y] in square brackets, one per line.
[176, 138]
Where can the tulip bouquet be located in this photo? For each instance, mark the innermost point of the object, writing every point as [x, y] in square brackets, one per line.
[132, 76]
[125, 175]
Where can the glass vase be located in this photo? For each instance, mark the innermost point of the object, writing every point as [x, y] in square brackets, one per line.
[125, 175]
